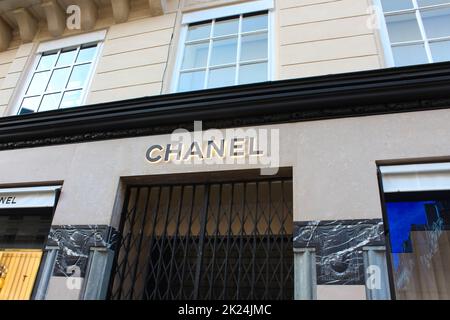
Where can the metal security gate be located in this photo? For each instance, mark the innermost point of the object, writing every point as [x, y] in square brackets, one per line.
[228, 240]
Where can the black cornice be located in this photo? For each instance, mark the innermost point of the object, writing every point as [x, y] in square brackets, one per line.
[415, 88]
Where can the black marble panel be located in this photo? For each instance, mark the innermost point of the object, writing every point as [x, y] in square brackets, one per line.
[338, 246]
[74, 244]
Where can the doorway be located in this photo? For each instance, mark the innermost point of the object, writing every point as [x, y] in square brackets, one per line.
[208, 240]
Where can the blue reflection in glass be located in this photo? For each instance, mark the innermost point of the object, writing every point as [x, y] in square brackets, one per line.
[401, 217]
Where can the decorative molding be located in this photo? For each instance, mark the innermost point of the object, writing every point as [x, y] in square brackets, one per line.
[5, 35]
[376, 92]
[28, 26]
[89, 14]
[56, 18]
[75, 243]
[121, 10]
[157, 7]
[339, 247]
[26, 17]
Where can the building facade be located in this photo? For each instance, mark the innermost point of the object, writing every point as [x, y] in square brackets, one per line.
[224, 149]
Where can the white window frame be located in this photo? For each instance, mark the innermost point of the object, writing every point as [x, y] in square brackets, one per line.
[223, 12]
[387, 46]
[416, 177]
[97, 37]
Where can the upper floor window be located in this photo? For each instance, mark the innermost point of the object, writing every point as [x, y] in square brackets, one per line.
[225, 52]
[418, 30]
[59, 79]
[225, 46]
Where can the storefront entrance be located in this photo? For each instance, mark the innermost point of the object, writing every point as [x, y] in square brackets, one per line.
[213, 240]
[417, 216]
[25, 219]
[23, 233]
[19, 270]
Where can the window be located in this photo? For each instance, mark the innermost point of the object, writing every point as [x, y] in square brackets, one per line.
[418, 30]
[59, 79]
[224, 52]
[417, 216]
[420, 244]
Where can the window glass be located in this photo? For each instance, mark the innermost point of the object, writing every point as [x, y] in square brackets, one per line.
[38, 83]
[30, 105]
[59, 79]
[195, 55]
[191, 81]
[437, 22]
[254, 23]
[255, 72]
[403, 28]
[224, 51]
[422, 29]
[254, 47]
[221, 77]
[79, 76]
[86, 54]
[396, 5]
[419, 236]
[46, 62]
[424, 3]
[66, 58]
[71, 99]
[50, 102]
[200, 31]
[440, 51]
[409, 55]
[226, 27]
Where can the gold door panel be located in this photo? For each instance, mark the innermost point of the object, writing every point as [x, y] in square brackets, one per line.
[18, 271]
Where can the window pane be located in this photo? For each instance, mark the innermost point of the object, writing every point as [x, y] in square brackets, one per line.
[71, 99]
[251, 73]
[254, 47]
[419, 239]
[191, 81]
[253, 23]
[225, 27]
[403, 27]
[409, 55]
[79, 76]
[440, 51]
[46, 62]
[200, 31]
[30, 105]
[86, 54]
[58, 80]
[38, 83]
[436, 22]
[195, 55]
[50, 102]
[394, 5]
[66, 58]
[224, 51]
[424, 3]
[221, 77]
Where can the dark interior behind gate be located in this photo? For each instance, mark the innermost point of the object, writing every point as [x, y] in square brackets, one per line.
[221, 240]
